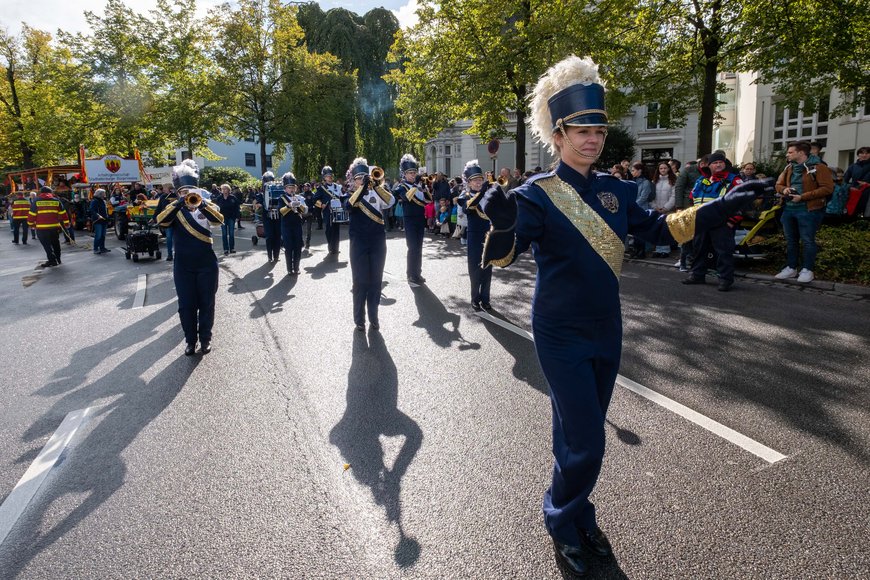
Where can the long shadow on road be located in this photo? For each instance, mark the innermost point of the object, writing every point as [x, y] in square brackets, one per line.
[372, 411]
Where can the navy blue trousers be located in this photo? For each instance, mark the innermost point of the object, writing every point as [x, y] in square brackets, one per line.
[720, 241]
[196, 286]
[414, 229]
[272, 230]
[368, 254]
[580, 360]
[333, 235]
[292, 237]
[481, 278]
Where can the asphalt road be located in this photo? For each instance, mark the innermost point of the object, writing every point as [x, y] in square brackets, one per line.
[233, 465]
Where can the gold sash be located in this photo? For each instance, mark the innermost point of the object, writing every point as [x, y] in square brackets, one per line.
[588, 222]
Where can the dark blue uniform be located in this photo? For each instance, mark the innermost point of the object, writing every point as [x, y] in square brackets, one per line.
[271, 227]
[576, 317]
[325, 194]
[478, 226]
[291, 230]
[195, 268]
[368, 251]
[413, 209]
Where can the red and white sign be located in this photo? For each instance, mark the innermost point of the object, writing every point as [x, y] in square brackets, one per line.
[111, 168]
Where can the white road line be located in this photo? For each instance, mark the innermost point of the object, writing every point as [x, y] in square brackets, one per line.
[29, 483]
[742, 441]
[22, 270]
[506, 325]
[139, 299]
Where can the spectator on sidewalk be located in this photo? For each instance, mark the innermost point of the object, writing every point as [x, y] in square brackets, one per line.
[99, 220]
[804, 185]
[664, 199]
[683, 199]
[231, 210]
[859, 172]
[644, 196]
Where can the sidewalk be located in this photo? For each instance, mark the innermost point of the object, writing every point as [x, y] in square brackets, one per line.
[852, 291]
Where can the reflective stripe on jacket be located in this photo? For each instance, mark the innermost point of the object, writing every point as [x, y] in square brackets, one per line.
[20, 208]
[47, 213]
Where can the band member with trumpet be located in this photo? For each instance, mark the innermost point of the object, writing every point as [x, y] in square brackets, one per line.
[195, 269]
[478, 226]
[577, 220]
[368, 240]
[412, 193]
[293, 211]
[329, 198]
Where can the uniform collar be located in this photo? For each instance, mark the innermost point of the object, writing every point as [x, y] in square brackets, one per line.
[571, 176]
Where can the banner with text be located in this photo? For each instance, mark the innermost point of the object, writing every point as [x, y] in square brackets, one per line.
[111, 168]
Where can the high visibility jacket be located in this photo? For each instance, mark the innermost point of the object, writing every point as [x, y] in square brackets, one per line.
[47, 213]
[20, 208]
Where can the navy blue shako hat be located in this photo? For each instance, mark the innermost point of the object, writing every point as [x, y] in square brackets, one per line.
[579, 105]
[288, 178]
[408, 163]
[472, 169]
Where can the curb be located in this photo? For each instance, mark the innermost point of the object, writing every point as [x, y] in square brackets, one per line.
[852, 291]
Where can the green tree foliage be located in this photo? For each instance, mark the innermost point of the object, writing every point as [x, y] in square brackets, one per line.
[257, 39]
[120, 58]
[806, 47]
[361, 44]
[620, 144]
[231, 175]
[46, 103]
[187, 110]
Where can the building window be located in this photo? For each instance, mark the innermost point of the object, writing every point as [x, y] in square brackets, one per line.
[447, 150]
[790, 125]
[658, 115]
[268, 162]
[185, 155]
[250, 159]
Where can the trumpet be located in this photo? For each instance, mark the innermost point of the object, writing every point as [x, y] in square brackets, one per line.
[192, 200]
[377, 175]
[502, 181]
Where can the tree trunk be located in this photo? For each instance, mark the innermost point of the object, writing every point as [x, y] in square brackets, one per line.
[708, 108]
[263, 168]
[520, 160]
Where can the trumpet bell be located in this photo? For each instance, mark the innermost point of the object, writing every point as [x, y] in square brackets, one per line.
[502, 181]
[377, 174]
[193, 200]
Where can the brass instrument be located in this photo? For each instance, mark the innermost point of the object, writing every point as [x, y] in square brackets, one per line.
[502, 181]
[377, 175]
[192, 200]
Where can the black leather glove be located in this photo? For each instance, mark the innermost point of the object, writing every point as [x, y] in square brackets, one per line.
[366, 181]
[742, 196]
[500, 207]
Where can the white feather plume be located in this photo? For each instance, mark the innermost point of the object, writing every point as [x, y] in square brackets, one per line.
[186, 168]
[358, 161]
[569, 71]
[408, 157]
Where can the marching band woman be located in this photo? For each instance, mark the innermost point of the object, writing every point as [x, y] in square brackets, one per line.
[328, 198]
[195, 268]
[478, 226]
[576, 221]
[368, 240]
[293, 210]
[413, 196]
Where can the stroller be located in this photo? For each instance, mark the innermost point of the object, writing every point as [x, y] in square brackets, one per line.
[759, 223]
[140, 239]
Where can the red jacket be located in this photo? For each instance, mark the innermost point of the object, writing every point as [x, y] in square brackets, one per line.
[47, 213]
[20, 208]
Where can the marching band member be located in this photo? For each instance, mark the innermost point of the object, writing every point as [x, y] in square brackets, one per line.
[478, 226]
[413, 196]
[195, 268]
[328, 198]
[368, 241]
[576, 221]
[293, 211]
[271, 218]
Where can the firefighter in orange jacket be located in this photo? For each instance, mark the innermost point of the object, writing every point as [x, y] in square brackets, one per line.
[49, 218]
[20, 210]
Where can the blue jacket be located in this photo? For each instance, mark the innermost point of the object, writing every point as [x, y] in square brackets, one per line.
[230, 207]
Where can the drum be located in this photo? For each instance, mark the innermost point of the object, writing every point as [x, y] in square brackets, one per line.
[340, 215]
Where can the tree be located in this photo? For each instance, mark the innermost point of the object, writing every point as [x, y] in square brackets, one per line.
[478, 59]
[256, 40]
[47, 104]
[120, 57]
[188, 111]
[620, 144]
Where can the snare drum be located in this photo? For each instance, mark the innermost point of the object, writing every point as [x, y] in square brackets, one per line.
[339, 215]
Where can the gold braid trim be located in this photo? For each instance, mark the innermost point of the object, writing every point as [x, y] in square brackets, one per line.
[573, 116]
[682, 224]
[500, 262]
[354, 199]
[215, 211]
[412, 197]
[371, 215]
[199, 236]
[385, 195]
[161, 219]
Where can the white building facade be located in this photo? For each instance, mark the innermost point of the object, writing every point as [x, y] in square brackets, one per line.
[754, 126]
[243, 153]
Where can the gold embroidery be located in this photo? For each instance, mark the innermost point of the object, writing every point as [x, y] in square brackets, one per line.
[682, 224]
[588, 222]
[372, 216]
[161, 219]
[198, 235]
[356, 195]
[385, 195]
[215, 211]
[500, 262]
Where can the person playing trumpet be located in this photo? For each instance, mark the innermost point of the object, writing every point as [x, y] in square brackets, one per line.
[478, 226]
[413, 196]
[368, 240]
[293, 210]
[195, 268]
[327, 198]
